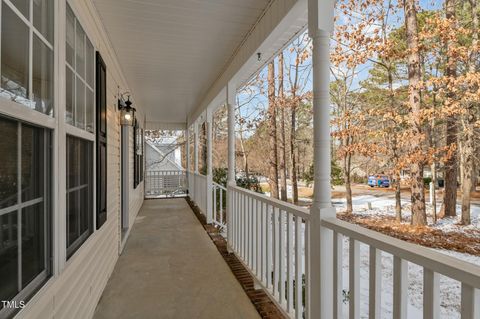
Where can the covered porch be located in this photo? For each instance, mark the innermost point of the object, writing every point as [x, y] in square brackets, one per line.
[104, 251]
[295, 255]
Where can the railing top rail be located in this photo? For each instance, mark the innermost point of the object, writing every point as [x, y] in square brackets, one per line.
[291, 208]
[199, 175]
[219, 186]
[422, 256]
[167, 171]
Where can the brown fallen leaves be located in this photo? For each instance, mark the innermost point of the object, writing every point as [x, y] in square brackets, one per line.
[466, 241]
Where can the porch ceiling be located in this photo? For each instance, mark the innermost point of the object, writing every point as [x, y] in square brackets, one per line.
[173, 50]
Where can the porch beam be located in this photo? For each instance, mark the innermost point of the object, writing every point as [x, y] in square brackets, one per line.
[320, 303]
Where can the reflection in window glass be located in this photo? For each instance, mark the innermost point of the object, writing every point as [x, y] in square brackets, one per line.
[43, 18]
[9, 162]
[32, 163]
[9, 253]
[26, 162]
[79, 192]
[80, 51]
[42, 78]
[70, 54]
[90, 107]
[23, 6]
[14, 56]
[81, 63]
[80, 106]
[70, 96]
[33, 242]
[90, 63]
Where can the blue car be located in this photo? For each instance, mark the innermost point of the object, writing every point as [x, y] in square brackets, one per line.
[378, 181]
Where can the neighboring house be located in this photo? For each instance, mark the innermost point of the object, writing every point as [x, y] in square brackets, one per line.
[163, 157]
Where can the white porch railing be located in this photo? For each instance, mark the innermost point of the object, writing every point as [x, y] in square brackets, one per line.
[199, 195]
[269, 237]
[272, 239]
[165, 183]
[219, 194]
[433, 263]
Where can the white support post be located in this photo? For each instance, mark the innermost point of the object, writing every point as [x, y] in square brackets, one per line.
[195, 147]
[209, 212]
[320, 268]
[187, 155]
[231, 96]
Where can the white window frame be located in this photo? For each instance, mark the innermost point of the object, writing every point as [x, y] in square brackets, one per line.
[69, 129]
[32, 31]
[24, 114]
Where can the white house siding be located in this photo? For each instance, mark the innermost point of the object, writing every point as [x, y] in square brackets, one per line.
[74, 291]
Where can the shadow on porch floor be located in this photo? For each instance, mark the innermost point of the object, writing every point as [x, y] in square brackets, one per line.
[171, 269]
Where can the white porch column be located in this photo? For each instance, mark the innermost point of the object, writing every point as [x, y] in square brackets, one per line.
[209, 212]
[187, 155]
[320, 24]
[195, 147]
[231, 96]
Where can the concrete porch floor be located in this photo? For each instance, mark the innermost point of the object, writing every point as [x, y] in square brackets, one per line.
[171, 269]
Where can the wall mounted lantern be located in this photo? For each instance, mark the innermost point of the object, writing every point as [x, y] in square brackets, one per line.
[127, 112]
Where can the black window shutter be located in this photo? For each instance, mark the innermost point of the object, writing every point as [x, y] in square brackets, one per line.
[101, 136]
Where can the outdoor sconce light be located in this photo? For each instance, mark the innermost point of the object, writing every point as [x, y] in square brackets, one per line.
[127, 112]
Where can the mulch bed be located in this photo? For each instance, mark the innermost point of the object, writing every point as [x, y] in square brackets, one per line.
[259, 298]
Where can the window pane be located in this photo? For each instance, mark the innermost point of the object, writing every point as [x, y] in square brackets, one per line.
[70, 37]
[43, 18]
[9, 163]
[73, 162]
[33, 146]
[8, 257]
[14, 55]
[80, 106]
[80, 51]
[90, 105]
[79, 192]
[90, 63]
[70, 101]
[42, 77]
[33, 242]
[73, 209]
[23, 6]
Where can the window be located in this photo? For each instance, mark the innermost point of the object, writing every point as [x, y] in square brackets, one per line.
[79, 192]
[25, 212]
[80, 105]
[27, 53]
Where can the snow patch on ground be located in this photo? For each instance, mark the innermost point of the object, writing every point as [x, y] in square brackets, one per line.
[449, 288]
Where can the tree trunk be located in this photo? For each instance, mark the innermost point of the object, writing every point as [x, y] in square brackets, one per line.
[293, 135]
[451, 166]
[414, 77]
[468, 143]
[398, 198]
[283, 156]
[272, 114]
[347, 163]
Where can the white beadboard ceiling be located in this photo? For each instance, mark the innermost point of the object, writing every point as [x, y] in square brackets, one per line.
[171, 51]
